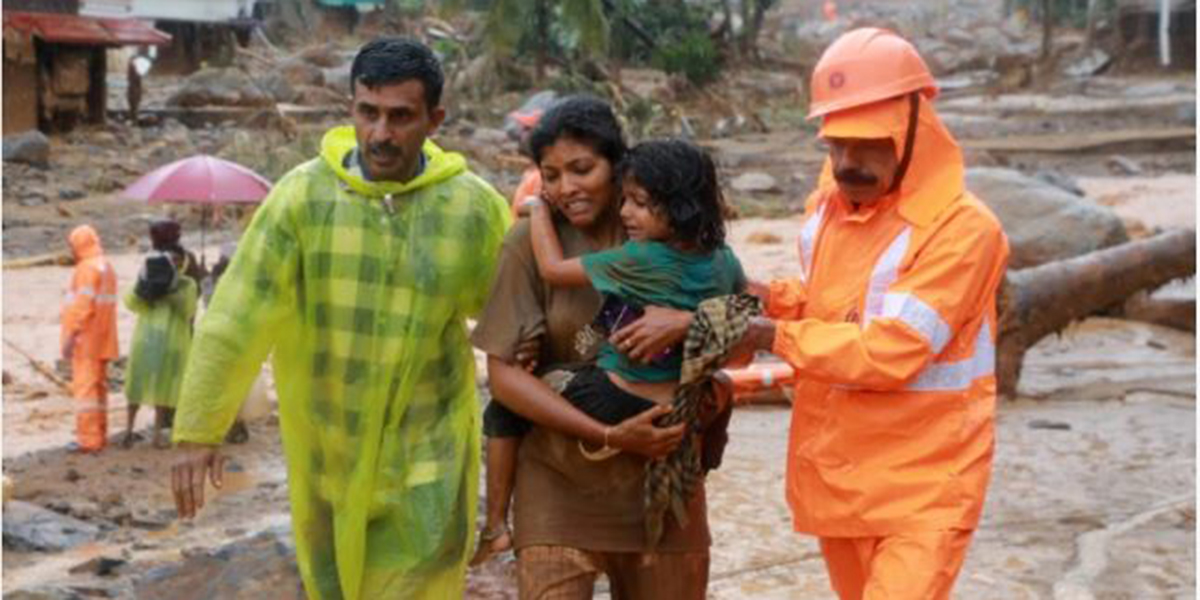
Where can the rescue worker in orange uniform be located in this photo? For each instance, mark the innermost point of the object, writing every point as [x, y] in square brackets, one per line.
[89, 336]
[891, 330]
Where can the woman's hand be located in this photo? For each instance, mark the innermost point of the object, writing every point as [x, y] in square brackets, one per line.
[639, 435]
[527, 353]
[658, 329]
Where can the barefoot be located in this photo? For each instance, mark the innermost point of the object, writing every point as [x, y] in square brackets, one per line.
[161, 442]
[127, 441]
[491, 542]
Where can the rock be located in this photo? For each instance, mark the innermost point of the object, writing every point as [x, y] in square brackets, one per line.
[278, 87]
[29, 527]
[1094, 62]
[262, 566]
[72, 475]
[103, 566]
[8, 379]
[31, 147]
[312, 95]
[71, 194]
[219, 87]
[46, 592]
[298, 72]
[489, 136]
[337, 78]
[1123, 166]
[754, 182]
[1043, 222]
[1048, 424]
[32, 198]
[1061, 181]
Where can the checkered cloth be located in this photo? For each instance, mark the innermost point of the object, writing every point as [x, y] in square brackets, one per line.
[670, 481]
[361, 290]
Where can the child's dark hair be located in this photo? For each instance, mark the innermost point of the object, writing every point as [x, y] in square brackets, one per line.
[681, 180]
[390, 60]
[585, 119]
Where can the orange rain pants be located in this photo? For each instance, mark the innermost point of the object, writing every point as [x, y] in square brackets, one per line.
[89, 386]
[908, 565]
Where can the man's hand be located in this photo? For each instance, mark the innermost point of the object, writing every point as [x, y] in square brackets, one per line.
[759, 336]
[527, 353]
[658, 329]
[193, 464]
[639, 435]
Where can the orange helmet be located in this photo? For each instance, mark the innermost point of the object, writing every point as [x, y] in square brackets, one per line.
[864, 66]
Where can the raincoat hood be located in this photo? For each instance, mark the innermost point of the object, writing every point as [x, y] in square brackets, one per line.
[439, 165]
[85, 242]
[935, 173]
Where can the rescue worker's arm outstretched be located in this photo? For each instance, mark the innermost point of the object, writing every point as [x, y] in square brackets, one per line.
[921, 312]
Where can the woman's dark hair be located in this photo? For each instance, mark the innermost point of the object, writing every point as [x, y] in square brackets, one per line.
[165, 234]
[681, 180]
[585, 119]
[389, 60]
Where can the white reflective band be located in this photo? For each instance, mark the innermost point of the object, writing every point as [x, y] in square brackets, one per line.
[957, 376]
[106, 299]
[86, 291]
[884, 275]
[918, 315]
[808, 241]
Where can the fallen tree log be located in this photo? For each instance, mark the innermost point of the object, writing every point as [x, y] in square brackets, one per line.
[41, 260]
[1045, 299]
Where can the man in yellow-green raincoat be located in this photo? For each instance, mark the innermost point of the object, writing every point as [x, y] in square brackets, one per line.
[358, 273]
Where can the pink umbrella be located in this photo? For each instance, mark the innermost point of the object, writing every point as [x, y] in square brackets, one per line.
[200, 179]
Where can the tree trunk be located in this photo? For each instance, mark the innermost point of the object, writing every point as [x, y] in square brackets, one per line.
[1047, 27]
[1038, 301]
[542, 17]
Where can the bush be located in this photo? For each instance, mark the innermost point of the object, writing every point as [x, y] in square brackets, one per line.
[692, 55]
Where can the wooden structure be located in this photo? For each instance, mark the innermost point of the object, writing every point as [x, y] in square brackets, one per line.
[54, 66]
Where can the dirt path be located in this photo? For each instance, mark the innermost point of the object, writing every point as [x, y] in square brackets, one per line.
[1092, 493]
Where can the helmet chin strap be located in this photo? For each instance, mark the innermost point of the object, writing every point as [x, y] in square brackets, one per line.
[914, 109]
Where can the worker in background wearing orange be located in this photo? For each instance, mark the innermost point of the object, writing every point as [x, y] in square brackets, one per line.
[89, 336]
[531, 178]
[891, 331]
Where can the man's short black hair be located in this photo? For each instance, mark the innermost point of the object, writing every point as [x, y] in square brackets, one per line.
[681, 179]
[585, 119]
[390, 60]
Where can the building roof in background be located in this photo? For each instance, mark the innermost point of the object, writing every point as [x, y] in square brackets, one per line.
[73, 29]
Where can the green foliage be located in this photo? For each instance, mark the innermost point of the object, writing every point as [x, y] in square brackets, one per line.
[663, 21]
[693, 55]
[562, 28]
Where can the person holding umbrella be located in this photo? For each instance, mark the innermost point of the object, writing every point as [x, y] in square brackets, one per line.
[358, 272]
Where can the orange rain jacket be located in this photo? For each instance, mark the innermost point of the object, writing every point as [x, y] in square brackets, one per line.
[891, 330]
[90, 308]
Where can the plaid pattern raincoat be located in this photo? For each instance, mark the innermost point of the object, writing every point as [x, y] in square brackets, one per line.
[361, 289]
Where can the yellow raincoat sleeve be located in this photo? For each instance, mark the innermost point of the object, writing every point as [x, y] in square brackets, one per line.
[497, 218]
[243, 322]
[945, 288]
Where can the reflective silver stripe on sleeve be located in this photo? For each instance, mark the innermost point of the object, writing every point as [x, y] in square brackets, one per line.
[920, 316]
[808, 241]
[957, 376]
[884, 275]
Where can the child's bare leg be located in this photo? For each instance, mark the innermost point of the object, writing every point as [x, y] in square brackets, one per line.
[501, 476]
[160, 423]
[131, 411]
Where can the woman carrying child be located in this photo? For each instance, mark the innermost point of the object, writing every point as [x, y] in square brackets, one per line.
[578, 506]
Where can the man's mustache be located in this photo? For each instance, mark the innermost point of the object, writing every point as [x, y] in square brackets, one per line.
[852, 176]
[383, 149]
